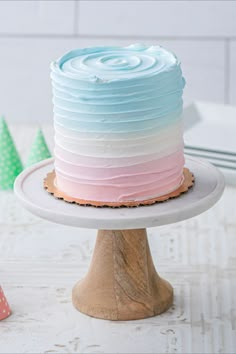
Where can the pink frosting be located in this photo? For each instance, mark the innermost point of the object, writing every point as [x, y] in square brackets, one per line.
[137, 181]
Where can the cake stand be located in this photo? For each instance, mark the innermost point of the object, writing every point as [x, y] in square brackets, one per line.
[121, 283]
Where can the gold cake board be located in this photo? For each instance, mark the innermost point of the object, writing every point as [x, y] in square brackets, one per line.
[50, 186]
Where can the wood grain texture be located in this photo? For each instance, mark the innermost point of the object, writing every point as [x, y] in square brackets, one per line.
[122, 283]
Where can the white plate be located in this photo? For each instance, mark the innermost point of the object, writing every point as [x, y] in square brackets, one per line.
[217, 161]
[210, 126]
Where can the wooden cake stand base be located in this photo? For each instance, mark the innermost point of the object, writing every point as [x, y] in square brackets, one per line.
[122, 283]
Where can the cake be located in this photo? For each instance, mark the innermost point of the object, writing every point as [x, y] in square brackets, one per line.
[118, 124]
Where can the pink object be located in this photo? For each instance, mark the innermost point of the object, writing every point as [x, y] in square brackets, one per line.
[132, 182]
[5, 310]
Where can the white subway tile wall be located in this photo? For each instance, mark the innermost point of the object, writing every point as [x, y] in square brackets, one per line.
[33, 33]
[23, 17]
[157, 18]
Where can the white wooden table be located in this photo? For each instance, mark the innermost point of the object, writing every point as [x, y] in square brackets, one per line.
[41, 261]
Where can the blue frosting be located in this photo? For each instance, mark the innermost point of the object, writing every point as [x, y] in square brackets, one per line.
[117, 89]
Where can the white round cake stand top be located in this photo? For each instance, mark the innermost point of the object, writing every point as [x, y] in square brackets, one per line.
[208, 188]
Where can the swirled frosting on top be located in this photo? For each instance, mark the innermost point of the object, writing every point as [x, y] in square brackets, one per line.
[117, 109]
[108, 64]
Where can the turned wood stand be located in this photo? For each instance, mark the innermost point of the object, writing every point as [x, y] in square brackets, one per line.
[121, 283]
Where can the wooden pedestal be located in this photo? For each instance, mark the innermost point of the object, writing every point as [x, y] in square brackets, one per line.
[122, 283]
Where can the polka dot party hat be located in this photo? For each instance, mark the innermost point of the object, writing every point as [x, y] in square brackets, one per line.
[4, 307]
[39, 150]
[10, 162]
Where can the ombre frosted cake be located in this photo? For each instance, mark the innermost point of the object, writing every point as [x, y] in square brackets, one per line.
[118, 125]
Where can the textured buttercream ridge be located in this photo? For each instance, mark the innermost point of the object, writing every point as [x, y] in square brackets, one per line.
[118, 100]
[62, 80]
[151, 113]
[114, 150]
[115, 134]
[114, 162]
[110, 127]
[148, 158]
[131, 178]
[165, 131]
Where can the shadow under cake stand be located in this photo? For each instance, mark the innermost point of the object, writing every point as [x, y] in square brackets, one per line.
[121, 283]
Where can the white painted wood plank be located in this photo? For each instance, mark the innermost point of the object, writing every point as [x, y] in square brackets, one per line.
[232, 73]
[37, 17]
[157, 18]
[25, 87]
